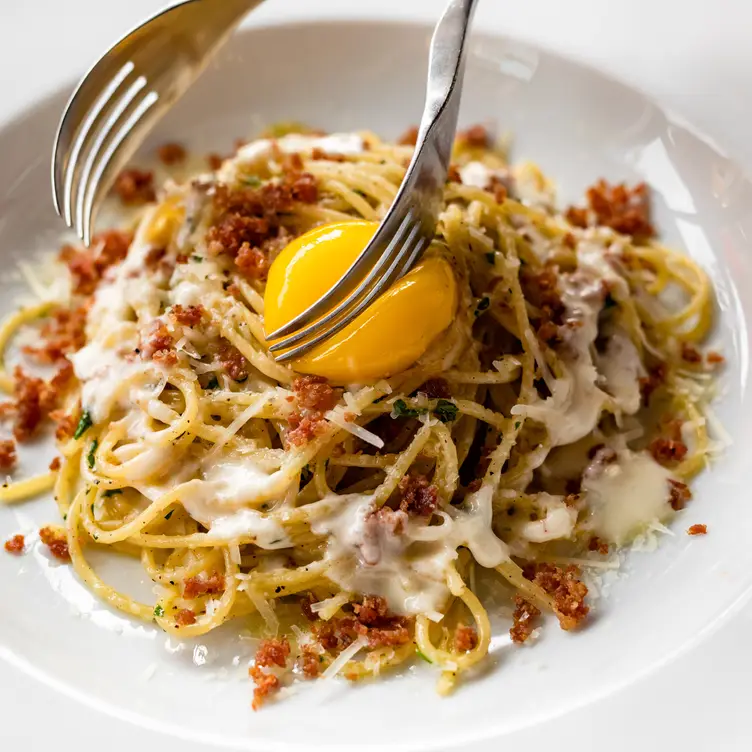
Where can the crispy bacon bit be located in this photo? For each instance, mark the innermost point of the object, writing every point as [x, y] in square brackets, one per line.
[475, 137]
[372, 620]
[409, 137]
[55, 464]
[309, 662]
[56, 542]
[190, 316]
[134, 186]
[8, 456]
[453, 175]
[715, 358]
[252, 262]
[499, 189]
[524, 618]
[33, 400]
[214, 161]
[679, 494]
[290, 162]
[465, 639]
[541, 288]
[690, 354]
[549, 333]
[159, 346]
[419, 497]
[185, 617]
[272, 653]
[154, 257]
[315, 397]
[63, 333]
[171, 154]
[668, 451]
[66, 424]
[88, 265]
[596, 544]
[436, 389]
[306, 602]
[625, 210]
[565, 587]
[655, 379]
[314, 393]
[570, 241]
[233, 361]
[266, 684]
[15, 545]
[194, 587]
[694, 530]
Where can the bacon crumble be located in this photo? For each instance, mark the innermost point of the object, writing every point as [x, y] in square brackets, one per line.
[194, 587]
[625, 210]
[62, 334]
[185, 617]
[524, 618]
[187, 316]
[418, 496]
[88, 265]
[567, 590]
[171, 154]
[56, 542]
[134, 186]
[668, 451]
[679, 494]
[698, 530]
[15, 545]
[8, 457]
[315, 397]
[476, 137]
[465, 639]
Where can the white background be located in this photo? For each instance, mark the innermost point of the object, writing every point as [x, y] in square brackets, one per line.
[695, 57]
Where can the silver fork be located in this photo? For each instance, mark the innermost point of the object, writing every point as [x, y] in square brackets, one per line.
[125, 93]
[410, 224]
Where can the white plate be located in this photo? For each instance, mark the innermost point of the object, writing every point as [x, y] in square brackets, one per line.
[578, 126]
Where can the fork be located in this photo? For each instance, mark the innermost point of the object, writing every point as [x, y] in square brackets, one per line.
[410, 223]
[125, 93]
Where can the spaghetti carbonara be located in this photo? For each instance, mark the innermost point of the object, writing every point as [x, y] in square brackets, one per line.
[527, 399]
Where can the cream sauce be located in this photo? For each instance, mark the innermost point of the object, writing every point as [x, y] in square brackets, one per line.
[625, 496]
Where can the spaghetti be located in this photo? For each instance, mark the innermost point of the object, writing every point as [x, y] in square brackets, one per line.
[557, 413]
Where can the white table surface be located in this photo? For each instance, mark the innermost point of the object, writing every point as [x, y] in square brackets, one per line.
[694, 56]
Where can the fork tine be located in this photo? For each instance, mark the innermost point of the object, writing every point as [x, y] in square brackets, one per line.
[100, 178]
[388, 255]
[79, 173]
[74, 130]
[411, 250]
[373, 249]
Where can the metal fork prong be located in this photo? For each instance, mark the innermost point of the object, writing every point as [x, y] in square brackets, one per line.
[373, 250]
[65, 169]
[111, 118]
[98, 183]
[389, 254]
[412, 249]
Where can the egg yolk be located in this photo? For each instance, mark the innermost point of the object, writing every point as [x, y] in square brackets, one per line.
[389, 336]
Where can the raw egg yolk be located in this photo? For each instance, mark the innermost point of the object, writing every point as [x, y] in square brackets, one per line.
[389, 336]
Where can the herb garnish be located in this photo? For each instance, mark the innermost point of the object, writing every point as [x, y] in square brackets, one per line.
[158, 611]
[84, 424]
[401, 410]
[446, 411]
[90, 455]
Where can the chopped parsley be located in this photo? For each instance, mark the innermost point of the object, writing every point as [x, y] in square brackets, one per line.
[169, 514]
[446, 411]
[517, 424]
[491, 257]
[90, 455]
[422, 656]
[84, 424]
[158, 611]
[197, 259]
[213, 383]
[483, 304]
[251, 180]
[401, 410]
[113, 492]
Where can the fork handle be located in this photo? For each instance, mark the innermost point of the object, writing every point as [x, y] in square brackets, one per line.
[446, 69]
